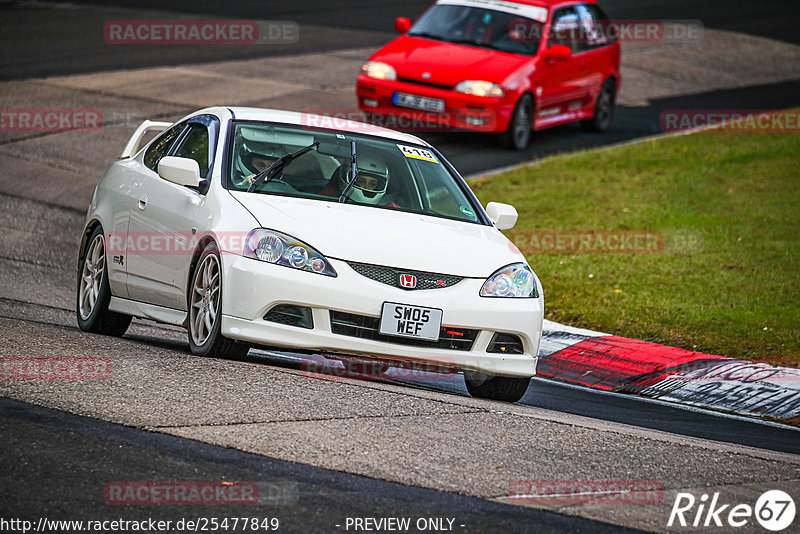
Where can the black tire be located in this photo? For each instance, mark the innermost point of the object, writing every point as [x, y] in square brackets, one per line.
[94, 293]
[603, 109]
[520, 128]
[500, 388]
[205, 310]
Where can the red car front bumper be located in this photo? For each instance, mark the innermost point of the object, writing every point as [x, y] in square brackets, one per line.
[462, 111]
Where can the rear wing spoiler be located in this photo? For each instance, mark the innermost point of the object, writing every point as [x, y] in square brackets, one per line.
[133, 143]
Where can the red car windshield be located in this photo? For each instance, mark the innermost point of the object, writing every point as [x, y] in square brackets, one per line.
[489, 24]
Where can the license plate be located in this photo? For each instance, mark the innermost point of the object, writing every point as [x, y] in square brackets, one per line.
[411, 321]
[418, 102]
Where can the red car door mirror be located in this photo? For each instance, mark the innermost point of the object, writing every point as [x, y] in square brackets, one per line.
[558, 52]
[402, 25]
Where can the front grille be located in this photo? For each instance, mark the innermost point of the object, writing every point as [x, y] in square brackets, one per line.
[291, 315]
[505, 344]
[426, 84]
[391, 276]
[365, 327]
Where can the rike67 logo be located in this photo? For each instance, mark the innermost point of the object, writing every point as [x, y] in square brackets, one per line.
[774, 510]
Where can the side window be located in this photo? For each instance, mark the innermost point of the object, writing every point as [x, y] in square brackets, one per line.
[195, 146]
[566, 30]
[595, 26]
[161, 146]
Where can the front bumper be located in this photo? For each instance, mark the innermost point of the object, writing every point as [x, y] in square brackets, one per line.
[251, 288]
[462, 111]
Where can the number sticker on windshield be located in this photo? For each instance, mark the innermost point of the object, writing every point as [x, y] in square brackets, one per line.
[417, 153]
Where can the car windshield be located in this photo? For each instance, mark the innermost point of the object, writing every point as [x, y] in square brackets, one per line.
[390, 174]
[504, 26]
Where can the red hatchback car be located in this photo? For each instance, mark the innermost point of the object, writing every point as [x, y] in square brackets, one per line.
[507, 67]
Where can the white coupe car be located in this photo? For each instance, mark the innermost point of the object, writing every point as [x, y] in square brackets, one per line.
[256, 227]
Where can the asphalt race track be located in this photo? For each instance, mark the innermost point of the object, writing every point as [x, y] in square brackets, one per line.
[325, 449]
[323, 498]
[31, 28]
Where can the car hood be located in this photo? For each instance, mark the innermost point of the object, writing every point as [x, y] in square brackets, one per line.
[447, 63]
[385, 237]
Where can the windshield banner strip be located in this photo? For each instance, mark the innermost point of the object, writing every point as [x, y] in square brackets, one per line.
[532, 12]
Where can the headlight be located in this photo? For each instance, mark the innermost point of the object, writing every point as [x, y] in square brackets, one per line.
[513, 281]
[381, 71]
[480, 88]
[281, 249]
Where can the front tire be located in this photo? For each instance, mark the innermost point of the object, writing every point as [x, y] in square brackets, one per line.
[603, 109]
[500, 388]
[519, 131]
[205, 310]
[94, 292]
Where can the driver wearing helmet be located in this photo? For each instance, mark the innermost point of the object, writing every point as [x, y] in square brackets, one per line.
[251, 163]
[371, 185]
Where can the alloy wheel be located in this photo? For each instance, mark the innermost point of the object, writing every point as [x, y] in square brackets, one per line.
[92, 276]
[205, 299]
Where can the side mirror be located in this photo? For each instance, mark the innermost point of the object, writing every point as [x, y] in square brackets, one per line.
[181, 171]
[503, 216]
[558, 52]
[402, 25]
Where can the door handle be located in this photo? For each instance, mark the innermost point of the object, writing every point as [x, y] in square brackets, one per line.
[142, 202]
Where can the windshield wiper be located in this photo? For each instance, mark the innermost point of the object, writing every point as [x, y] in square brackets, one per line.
[427, 35]
[267, 174]
[354, 172]
[458, 41]
[476, 43]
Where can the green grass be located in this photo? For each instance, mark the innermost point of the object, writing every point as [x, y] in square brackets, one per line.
[728, 206]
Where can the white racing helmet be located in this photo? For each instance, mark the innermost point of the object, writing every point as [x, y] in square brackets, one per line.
[249, 151]
[252, 143]
[371, 182]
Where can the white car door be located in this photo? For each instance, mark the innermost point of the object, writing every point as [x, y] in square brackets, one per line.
[118, 190]
[164, 222]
